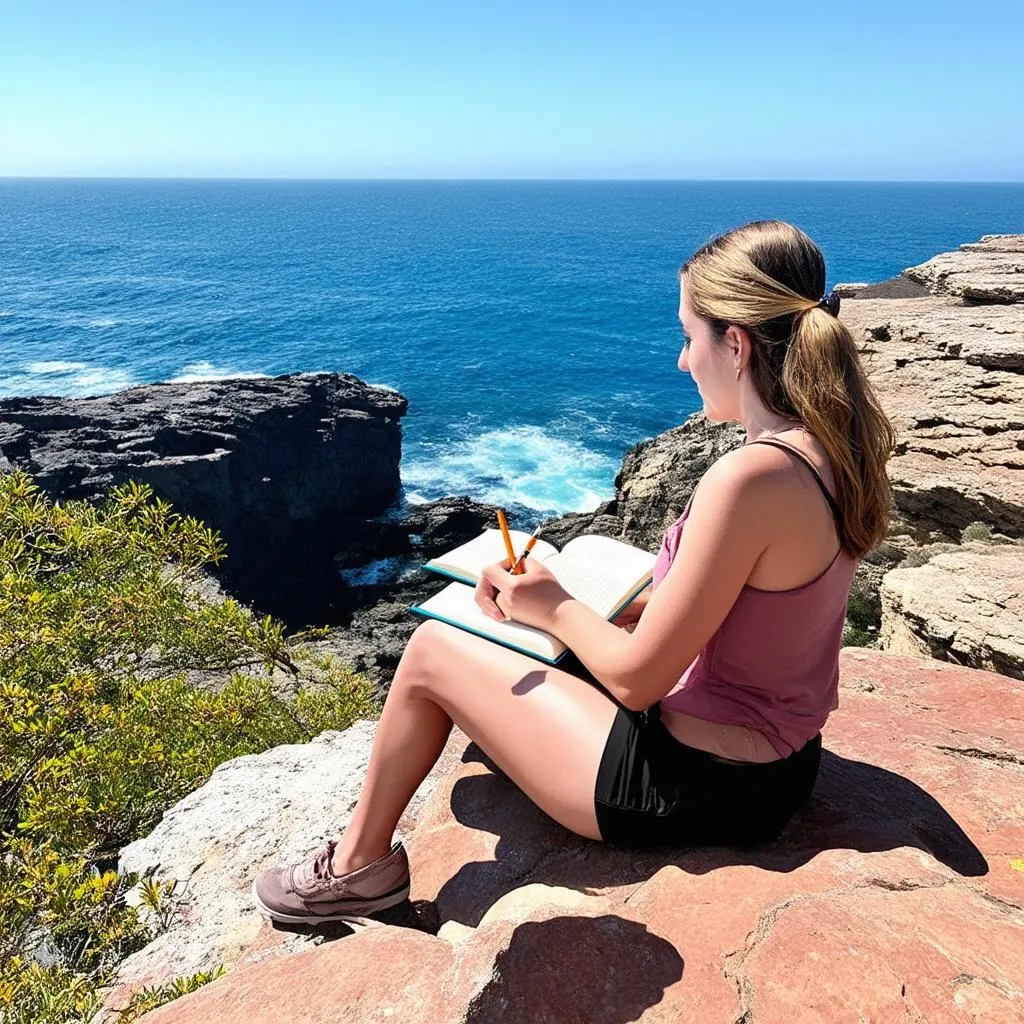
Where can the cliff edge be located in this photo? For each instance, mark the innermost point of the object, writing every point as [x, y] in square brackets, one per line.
[288, 468]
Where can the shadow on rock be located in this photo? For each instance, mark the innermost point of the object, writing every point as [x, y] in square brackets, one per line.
[405, 915]
[859, 806]
[563, 969]
[855, 806]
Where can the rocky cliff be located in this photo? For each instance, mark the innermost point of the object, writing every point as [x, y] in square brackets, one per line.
[949, 369]
[288, 469]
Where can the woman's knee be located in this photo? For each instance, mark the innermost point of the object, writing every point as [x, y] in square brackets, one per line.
[423, 654]
[430, 631]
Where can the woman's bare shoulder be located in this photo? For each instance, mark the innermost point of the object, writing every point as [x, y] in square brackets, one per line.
[748, 462]
[741, 480]
[756, 454]
[763, 475]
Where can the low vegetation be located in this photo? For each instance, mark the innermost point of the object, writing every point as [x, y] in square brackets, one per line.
[862, 616]
[102, 626]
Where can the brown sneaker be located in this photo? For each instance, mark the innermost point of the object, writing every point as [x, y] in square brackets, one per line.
[308, 892]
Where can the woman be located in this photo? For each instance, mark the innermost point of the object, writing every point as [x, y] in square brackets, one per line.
[700, 720]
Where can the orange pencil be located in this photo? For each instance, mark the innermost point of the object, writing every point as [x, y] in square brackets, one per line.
[517, 565]
[506, 536]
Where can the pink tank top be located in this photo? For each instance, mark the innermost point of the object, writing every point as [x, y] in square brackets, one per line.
[773, 664]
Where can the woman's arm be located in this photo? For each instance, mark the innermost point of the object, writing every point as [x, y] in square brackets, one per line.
[727, 531]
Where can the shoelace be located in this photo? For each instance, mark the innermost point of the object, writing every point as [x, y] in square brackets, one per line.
[322, 861]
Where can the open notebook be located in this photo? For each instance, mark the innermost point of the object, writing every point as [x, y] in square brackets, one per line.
[603, 573]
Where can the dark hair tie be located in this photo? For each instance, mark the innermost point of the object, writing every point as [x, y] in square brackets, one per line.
[830, 303]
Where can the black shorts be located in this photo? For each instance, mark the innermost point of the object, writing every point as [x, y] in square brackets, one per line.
[653, 790]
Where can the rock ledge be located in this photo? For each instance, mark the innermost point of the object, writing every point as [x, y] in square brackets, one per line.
[897, 893]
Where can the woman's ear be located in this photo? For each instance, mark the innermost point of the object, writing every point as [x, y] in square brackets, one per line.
[740, 344]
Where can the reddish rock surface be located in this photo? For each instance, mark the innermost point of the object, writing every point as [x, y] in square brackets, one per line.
[897, 894]
[389, 974]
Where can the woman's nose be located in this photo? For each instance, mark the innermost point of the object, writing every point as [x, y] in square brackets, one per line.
[684, 361]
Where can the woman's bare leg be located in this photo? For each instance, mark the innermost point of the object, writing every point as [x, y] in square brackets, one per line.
[410, 736]
[545, 728]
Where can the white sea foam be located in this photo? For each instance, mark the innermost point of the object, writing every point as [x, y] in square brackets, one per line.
[416, 498]
[66, 378]
[100, 380]
[524, 465]
[204, 370]
[55, 366]
[103, 321]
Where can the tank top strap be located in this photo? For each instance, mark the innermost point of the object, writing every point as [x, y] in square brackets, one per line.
[833, 505]
[693, 494]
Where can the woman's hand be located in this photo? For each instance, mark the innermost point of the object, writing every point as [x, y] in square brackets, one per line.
[628, 618]
[530, 598]
[630, 615]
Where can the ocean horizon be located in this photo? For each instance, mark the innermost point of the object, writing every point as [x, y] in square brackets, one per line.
[505, 180]
[531, 323]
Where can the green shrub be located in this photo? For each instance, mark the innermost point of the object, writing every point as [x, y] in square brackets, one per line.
[100, 732]
[145, 999]
[981, 532]
[916, 557]
[863, 616]
[63, 930]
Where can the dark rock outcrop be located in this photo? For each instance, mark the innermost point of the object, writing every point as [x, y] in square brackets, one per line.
[899, 287]
[288, 469]
[380, 623]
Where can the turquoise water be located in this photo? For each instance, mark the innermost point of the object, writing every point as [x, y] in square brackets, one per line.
[532, 325]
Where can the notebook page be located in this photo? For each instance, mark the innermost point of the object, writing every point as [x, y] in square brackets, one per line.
[600, 590]
[624, 561]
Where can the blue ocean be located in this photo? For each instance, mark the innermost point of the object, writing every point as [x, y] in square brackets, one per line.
[531, 325]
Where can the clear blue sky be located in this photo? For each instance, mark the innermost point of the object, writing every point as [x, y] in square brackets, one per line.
[882, 89]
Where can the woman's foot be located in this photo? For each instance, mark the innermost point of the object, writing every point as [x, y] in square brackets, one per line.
[309, 891]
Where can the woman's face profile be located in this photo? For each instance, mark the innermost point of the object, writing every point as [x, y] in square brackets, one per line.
[696, 351]
[684, 318]
[709, 363]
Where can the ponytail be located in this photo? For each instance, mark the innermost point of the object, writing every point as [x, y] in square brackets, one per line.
[830, 393]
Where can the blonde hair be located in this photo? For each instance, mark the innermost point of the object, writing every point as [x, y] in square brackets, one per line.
[768, 277]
